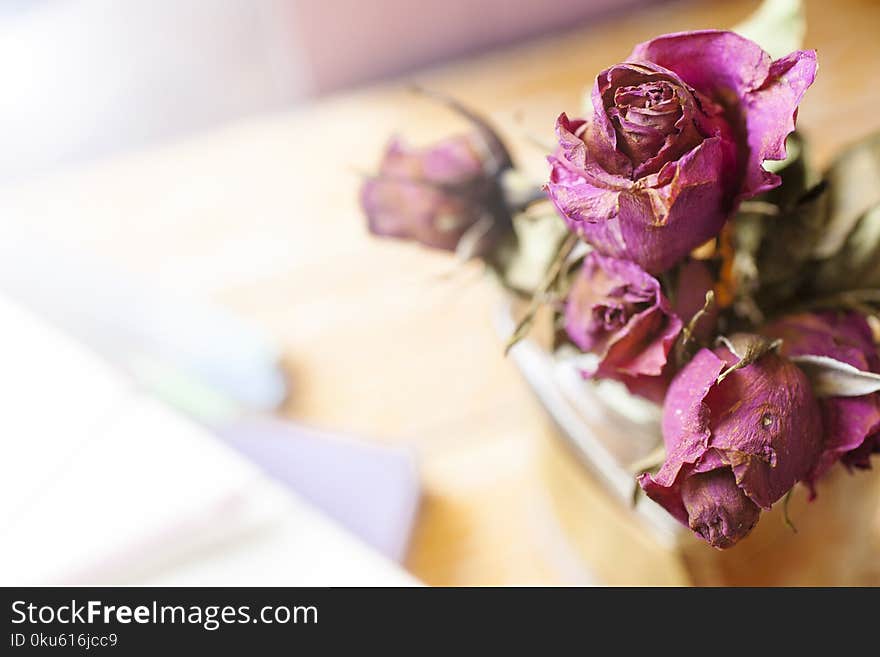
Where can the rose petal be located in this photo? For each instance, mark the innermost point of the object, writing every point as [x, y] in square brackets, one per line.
[618, 311]
[663, 218]
[685, 417]
[773, 438]
[588, 208]
[851, 424]
[765, 94]
[715, 62]
[771, 115]
[643, 346]
[686, 431]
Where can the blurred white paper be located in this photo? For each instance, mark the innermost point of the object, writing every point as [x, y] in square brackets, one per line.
[100, 484]
[132, 323]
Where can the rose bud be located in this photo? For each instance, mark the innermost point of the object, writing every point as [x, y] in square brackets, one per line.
[718, 510]
[733, 445]
[440, 194]
[852, 424]
[618, 312]
[675, 139]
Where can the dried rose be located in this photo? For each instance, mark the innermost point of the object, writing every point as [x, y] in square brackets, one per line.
[618, 312]
[851, 424]
[676, 138]
[733, 445]
[442, 195]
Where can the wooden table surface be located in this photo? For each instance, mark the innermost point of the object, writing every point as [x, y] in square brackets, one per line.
[382, 339]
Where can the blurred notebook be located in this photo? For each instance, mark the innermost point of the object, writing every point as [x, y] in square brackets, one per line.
[101, 484]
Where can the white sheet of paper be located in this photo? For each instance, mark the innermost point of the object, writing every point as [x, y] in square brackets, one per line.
[100, 484]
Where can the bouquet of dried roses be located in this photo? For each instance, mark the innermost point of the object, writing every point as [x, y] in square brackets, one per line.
[693, 256]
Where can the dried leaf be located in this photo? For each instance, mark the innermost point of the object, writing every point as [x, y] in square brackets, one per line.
[833, 378]
[650, 462]
[775, 237]
[748, 235]
[796, 171]
[857, 263]
[523, 327]
[520, 190]
[764, 247]
[469, 242]
[748, 348]
[499, 159]
[522, 260]
[785, 515]
[554, 270]
[853, 190]
[687, 334]
[636, 493]
[748, 345]
[783, 260]
[858, 300]
[778, 26]
[695, 320]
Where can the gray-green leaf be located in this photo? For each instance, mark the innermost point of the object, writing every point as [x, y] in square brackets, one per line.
[523, 261]
[833, 378]
[853, 191]
[857, 264]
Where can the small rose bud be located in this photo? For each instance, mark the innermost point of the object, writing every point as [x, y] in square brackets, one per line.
[718, 510]
[758, 428]
[441, 194]
[617, 311]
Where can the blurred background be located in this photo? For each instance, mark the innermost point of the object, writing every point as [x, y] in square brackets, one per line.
[88, 78]
[214, 375]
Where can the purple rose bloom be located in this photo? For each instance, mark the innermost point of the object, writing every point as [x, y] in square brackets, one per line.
[437, 194]
[852, 424]
[734, 446]
[618, 312]
[677, 137]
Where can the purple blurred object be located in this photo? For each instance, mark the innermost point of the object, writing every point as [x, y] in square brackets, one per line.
[440, 194]
[371, 491]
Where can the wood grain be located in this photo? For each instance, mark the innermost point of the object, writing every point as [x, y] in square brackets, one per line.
[382, 339]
